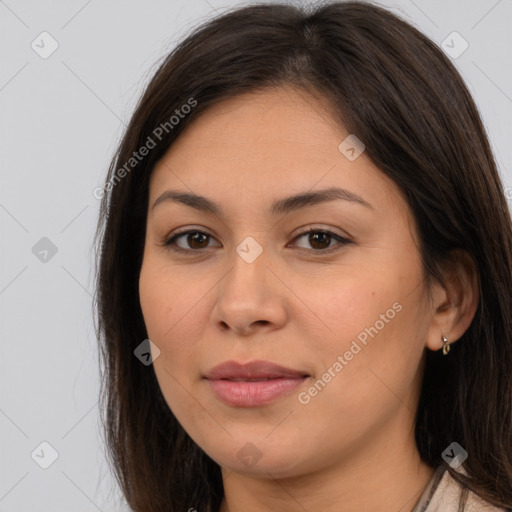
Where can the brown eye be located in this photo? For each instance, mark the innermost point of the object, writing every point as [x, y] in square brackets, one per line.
[194, 241]
[318, 241]
[321, 240]
[197, 240]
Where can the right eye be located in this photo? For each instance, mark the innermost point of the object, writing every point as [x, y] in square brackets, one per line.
[194, 238]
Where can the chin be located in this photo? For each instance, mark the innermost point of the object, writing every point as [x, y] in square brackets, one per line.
[261, 462]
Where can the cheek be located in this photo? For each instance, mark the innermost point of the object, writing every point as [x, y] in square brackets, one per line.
[355, 305]
[175, 307]
[170, 304]
[170, 310]
[373, 322]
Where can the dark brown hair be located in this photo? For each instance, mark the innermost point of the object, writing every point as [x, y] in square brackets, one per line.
[397, 91]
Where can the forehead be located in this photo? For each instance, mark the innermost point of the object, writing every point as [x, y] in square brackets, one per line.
[263, 144]
[267, 118]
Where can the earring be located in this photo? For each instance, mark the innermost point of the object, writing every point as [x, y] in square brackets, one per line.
[446, 346]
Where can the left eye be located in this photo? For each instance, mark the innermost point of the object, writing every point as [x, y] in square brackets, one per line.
[320, 240]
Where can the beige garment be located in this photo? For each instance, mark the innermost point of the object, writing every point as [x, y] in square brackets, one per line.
[444, 494]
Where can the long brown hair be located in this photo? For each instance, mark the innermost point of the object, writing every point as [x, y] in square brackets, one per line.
[395, 89]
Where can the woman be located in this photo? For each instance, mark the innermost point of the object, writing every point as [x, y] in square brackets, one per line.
[304, 274]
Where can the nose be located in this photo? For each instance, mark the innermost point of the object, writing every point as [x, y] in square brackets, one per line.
[250, 298]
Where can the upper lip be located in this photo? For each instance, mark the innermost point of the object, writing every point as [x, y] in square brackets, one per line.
[252, 370]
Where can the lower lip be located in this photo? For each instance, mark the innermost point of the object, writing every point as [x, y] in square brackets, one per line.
[253, 394]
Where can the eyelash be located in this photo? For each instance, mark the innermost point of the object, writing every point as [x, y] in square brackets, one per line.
[170, 243]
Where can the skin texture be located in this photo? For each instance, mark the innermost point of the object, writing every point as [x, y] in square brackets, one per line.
[351, 447]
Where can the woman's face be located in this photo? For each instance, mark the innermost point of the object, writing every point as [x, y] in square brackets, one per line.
[350, 317]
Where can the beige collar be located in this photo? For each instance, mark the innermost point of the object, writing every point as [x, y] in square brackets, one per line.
[444, 494]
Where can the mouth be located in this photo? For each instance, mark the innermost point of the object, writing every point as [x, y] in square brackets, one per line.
[253, 384]
[252, 371]
[261, 379]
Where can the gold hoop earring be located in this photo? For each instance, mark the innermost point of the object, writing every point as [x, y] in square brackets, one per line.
[446, 346]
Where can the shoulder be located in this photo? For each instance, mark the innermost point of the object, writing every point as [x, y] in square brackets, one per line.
[450, 496]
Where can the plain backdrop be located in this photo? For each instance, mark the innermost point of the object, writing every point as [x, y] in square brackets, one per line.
[61, 116]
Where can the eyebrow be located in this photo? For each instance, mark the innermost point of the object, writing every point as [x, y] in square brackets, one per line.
[281, 206]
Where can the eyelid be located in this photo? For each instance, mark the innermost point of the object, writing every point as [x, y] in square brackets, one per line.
[313, 227]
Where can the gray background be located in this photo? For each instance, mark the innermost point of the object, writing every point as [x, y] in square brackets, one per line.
[60, 120]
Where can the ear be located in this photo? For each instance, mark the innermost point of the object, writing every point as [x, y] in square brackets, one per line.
[454, 302]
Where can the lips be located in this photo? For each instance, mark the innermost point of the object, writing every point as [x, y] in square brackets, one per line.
[253, 371]
[252, 384]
